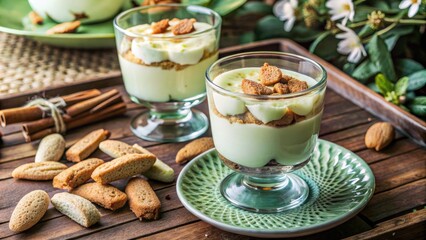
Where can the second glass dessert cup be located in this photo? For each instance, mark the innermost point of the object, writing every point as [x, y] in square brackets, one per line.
[263, 138]
[164, 70]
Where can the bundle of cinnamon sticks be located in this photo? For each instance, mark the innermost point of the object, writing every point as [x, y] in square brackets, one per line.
[81, 108]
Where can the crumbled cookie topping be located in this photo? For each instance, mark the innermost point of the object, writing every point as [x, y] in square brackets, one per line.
[160, 27]
[252, 87]
[269, 75]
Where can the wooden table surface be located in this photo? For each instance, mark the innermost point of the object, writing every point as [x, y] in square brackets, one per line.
[396, 210]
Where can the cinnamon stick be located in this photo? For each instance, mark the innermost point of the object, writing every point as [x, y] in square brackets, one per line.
[90, 103]
[80, 96]
[38, 125]
[71, 123]
[115, 99]
[21, 114]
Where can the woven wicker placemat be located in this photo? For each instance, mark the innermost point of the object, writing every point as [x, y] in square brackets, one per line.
[28, 65]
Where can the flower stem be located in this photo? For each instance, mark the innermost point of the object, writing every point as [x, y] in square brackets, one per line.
[406, 21]
[358, 24]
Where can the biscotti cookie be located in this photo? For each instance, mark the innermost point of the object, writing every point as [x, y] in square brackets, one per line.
[86, 146]
[193, 149]
[77, 208]
[143, 201]
[51, 148]
[160, 171]
[29, 210]
[38, 171]
[106, 196]
[117, 149]
[123, 167]
[77, 174]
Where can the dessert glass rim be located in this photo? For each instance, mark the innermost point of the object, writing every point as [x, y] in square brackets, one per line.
[153, 36]
[318, 86]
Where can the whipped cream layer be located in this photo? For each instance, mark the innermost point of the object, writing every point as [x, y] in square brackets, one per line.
[265, 111]
[166, 46]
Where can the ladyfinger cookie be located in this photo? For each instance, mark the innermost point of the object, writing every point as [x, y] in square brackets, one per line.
[143, 201]
[86, 146]
[123, 167]
[106, 196]
[51, 148]
[77, 174]
[77, 208]
[29, 210]
[38, 171]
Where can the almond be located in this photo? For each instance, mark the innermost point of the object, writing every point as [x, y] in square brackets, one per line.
[379, 135]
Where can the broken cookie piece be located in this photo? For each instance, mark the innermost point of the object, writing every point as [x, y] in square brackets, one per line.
[160, 27]
[296, 85]
[251, 87]
[281, 88]
[269, 75]
[66, 27]
[184, 26]
[35, 18]
[286, 78]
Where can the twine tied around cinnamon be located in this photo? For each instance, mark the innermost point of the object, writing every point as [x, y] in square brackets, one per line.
[52, 107]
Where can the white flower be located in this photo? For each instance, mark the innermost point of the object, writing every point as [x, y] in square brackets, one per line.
[351, 44]
[413, 4]
[286, 11]
[341, 9]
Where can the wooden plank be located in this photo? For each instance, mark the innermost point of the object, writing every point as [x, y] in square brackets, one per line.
[202, 230]
[60, 226]
[400, 170]
[394, 149]
[343, 121]
[409, 226]
[397, 200]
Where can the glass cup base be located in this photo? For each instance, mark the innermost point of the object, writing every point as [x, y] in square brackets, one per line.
[264, 195]
[169, 127]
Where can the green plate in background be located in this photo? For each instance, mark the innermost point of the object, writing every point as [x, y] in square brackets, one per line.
[340, 183]
[14, 20]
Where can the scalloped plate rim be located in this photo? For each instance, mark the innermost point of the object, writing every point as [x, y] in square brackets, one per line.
[286, 232]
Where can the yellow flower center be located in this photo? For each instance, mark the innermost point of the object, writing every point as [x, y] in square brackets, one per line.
[347, 7]
[414, 1]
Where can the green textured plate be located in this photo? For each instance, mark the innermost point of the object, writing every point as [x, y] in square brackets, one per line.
[340, 183]
[14, 20]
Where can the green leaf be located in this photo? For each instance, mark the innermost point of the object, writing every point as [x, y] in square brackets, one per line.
[247, 37]
[417, 80]
[391, 42]
[254, 8]
[196, 2]
[384, 85]
[419, 110]
[380, 56]
[419, 100]
[373, 87]
[224, 7]
[365, 70]
[401, 86]
[407, 66]
[325, 46]
[365, 31]
[349, 68]
[410, 96]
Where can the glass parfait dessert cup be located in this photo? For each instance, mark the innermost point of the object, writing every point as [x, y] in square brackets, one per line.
[164, 51]
[265, 112]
